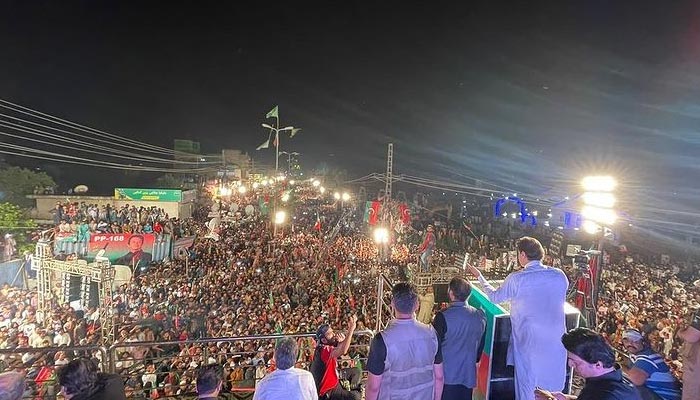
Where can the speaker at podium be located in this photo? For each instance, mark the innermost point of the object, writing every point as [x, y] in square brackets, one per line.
[496, 379]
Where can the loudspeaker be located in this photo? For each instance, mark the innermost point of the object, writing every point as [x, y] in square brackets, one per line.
[440, 293]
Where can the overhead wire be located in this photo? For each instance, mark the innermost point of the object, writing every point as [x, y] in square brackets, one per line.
[38, 132]
[59, 121]
[81, 160]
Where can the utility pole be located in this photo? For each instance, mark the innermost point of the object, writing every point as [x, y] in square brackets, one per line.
[389, 178]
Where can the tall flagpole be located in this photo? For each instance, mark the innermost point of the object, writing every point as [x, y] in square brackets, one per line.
[277, 140]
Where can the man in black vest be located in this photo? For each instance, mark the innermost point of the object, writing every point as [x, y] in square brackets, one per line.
[460, 329]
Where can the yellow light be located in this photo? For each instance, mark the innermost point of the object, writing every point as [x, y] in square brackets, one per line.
[322, 190]
[285, 197]
[255, 185]
[603, 216]
[316, 183]
[599, 199]
[224, 191]
[264, 182]
[336, 196]
[242, 189]
[599, 183]
[381, 235]
[292, 182]
[346, 196]
[590, 227]
[281, 178]
[280, 217]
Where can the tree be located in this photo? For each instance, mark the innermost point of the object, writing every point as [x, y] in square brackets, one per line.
[16, 183]
[169, 181]
[14, 220]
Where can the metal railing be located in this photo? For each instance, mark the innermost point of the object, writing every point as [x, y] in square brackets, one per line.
[169, 367]
[38, 365]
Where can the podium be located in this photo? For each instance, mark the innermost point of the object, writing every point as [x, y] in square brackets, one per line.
[495, 379]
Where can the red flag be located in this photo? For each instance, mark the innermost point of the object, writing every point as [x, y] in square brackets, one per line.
[317, 225]
[405, 213]
[374, 214]
[43, 375]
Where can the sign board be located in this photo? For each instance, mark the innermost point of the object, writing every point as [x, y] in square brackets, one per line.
[173, 195]
[134, 250]
[186, 146]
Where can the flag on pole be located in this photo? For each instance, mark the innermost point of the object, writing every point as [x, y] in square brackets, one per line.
[372, 212]
[273, 113]
[264, 145]
[317, 225]
[294, 132]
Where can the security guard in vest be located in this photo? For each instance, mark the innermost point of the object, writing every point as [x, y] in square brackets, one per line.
[404, 360]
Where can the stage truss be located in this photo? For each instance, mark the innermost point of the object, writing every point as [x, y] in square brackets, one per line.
[51, 271]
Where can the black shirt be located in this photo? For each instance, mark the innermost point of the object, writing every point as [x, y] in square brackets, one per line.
[611, 386]
[377, 355]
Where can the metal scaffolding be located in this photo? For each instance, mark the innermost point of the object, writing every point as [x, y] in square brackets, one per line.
[50, 271]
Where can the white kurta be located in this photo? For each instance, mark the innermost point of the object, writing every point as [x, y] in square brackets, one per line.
[537, 295]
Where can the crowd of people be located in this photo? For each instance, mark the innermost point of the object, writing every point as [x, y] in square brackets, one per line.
[320, 268]
[77, 220]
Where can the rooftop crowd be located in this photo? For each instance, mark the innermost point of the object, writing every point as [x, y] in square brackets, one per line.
[251, 282]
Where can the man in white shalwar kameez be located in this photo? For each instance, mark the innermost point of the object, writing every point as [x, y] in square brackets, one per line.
[537, 295]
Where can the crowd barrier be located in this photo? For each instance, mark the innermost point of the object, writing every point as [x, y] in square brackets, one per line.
[130, 361]
[10, 273]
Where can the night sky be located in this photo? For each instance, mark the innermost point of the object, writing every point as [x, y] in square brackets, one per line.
[529, 95]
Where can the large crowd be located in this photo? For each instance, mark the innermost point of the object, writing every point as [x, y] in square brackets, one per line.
[249, 281]
[77, 220]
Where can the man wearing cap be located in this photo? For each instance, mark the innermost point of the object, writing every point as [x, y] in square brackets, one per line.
[324, 367]
[649, 371]
[691, 357]
[426, 249]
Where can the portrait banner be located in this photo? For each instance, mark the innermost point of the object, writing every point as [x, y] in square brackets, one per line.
[135, 250]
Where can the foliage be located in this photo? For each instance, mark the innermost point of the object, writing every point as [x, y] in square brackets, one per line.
[16, 183]
[14, 220]
[169, 181]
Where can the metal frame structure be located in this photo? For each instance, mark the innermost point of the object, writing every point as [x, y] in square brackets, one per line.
[100, 272]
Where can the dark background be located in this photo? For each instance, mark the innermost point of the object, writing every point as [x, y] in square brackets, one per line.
[529, 95]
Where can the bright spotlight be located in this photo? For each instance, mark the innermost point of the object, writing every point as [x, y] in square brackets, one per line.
[285, 197]
[316, 183]
[224, 191]
[336, 196]
[381, 235]
[590, 227]
[599, 183]
[255, 185]
[242, 189]
[599, 199]
[280, 217]
[322, 189]
[291, 182]
[603, 216]
[346, 196]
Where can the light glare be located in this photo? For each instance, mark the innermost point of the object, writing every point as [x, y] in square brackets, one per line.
[599, 183]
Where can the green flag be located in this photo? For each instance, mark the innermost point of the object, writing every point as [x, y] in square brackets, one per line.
[264, 145]
[368, 209]
[294, 132]
[273, 113]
